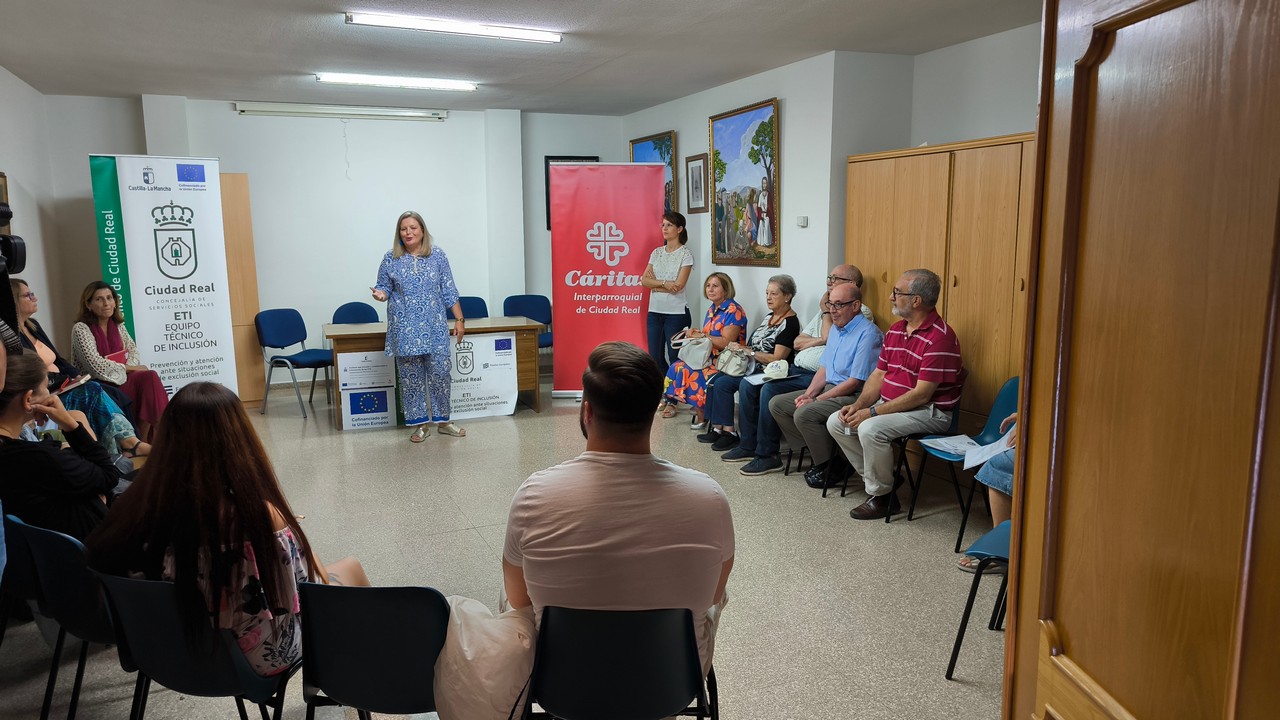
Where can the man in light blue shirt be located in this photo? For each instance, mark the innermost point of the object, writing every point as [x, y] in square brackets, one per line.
[853, 348]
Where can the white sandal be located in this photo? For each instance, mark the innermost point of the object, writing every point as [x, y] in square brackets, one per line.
[420, 433]
[450, 428]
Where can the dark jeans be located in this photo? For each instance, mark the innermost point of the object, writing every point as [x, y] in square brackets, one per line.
[720, 391]
[759, 431]
[661, 328]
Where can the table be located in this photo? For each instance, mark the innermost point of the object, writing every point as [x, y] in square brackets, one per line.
[367, 337]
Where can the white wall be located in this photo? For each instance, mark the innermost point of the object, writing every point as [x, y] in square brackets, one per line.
[550, 134]
[78, 127]
[872, 101]
[24, 158]
[981, 88]
[326, 194]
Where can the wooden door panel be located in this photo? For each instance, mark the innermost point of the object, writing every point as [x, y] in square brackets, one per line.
[869, 231]
[920, 200]
[981, 261]
[1154, 341]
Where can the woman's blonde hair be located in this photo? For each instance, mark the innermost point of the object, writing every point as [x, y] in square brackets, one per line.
[397, 246]
[725, 282]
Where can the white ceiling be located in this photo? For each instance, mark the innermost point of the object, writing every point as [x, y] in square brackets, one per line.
[618, 56]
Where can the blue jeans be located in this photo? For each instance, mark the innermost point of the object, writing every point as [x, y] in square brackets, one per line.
[759, 431]
[661, 327]
[720, 391]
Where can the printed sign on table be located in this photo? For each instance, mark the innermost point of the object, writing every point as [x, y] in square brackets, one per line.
[484, 376]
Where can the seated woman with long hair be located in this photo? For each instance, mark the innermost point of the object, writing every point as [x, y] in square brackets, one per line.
[103, 409]
[207, 513]
[44, 484]
[102, 347]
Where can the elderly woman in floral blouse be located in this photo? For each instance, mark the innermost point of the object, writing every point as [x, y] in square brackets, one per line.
[416, 282]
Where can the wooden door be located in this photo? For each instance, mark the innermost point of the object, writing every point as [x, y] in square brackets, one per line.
[981, 264]
[869, 229]
[1149, 498]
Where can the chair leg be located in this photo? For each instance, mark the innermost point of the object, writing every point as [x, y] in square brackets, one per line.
[800, 460]
[240, 706]
[75, 688]
[364, 715]
[266, 391]
[964, 619]
[787, 470]
[965, 507]
[916, 480]
[139, 689]
[311, 711]
[713, 695]
[997, 612]
[328, 386]
[315, 373]
[294, 377]
[263, 710]
[53, 675]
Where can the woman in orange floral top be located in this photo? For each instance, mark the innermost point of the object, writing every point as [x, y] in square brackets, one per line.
[725, 323]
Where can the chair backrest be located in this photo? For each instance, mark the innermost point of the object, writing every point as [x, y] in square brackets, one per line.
[640, 665]
[280, 328]
[150, 630]
[534, 307]
[473, 307]
[1005, 404]
[20, 570]
[355, 312]
[372, 648]
[70, 591]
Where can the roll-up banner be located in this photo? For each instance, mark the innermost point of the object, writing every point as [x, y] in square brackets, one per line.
[161, 242]
[605, 220]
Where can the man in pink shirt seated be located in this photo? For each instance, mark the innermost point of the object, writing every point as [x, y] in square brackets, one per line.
[914, 389]
[617, 528]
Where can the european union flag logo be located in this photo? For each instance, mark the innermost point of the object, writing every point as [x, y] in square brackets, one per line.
[368, 403]
[190, 173]
[502, 344]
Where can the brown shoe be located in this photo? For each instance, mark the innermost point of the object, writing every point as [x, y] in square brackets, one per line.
[876, 507]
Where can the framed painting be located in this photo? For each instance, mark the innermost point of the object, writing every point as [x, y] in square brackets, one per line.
[660, 148]
[744, 184]
[548, 161]
[695, 180]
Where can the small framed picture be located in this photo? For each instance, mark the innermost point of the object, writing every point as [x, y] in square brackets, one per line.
[695, 174]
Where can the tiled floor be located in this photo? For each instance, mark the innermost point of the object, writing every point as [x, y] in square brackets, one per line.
[828, 618]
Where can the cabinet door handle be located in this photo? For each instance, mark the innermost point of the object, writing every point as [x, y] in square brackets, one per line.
[884, 277]
[1022, 284]
[955, 281]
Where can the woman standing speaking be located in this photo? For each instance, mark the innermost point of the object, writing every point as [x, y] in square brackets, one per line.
[415, 281]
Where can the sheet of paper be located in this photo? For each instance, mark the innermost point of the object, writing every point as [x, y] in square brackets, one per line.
[956, 444]
[979, 455]
[757, 379]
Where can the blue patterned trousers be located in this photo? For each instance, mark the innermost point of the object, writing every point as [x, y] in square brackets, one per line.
[421, 375]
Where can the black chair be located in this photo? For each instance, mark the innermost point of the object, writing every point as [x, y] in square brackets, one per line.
[71, 594]
[790, 452]
[473, 307]
[152, 634]
[371, 648]
[641, 665]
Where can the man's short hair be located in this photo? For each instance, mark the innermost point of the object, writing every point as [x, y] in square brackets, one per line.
[926, 284]
[623, 384]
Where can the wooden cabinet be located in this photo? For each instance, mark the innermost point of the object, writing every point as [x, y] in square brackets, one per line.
[963, 211]
[242, 283]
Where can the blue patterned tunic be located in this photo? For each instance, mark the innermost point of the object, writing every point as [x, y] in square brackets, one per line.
[420, 291]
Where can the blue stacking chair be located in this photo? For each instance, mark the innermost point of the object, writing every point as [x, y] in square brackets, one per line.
[1005, 404]
[473, 307]
[283, 328]
[990, 549]
[353, 313]
[534, 307]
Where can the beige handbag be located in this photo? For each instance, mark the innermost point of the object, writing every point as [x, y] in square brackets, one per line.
[733, 362]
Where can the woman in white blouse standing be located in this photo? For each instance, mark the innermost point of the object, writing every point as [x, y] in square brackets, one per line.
[668, 271]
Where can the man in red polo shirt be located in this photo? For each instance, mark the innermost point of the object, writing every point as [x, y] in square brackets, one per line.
[914, 389]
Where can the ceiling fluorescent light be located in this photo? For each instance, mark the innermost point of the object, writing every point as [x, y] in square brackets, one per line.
[409, 22]
[339, 111]
[396, 81]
